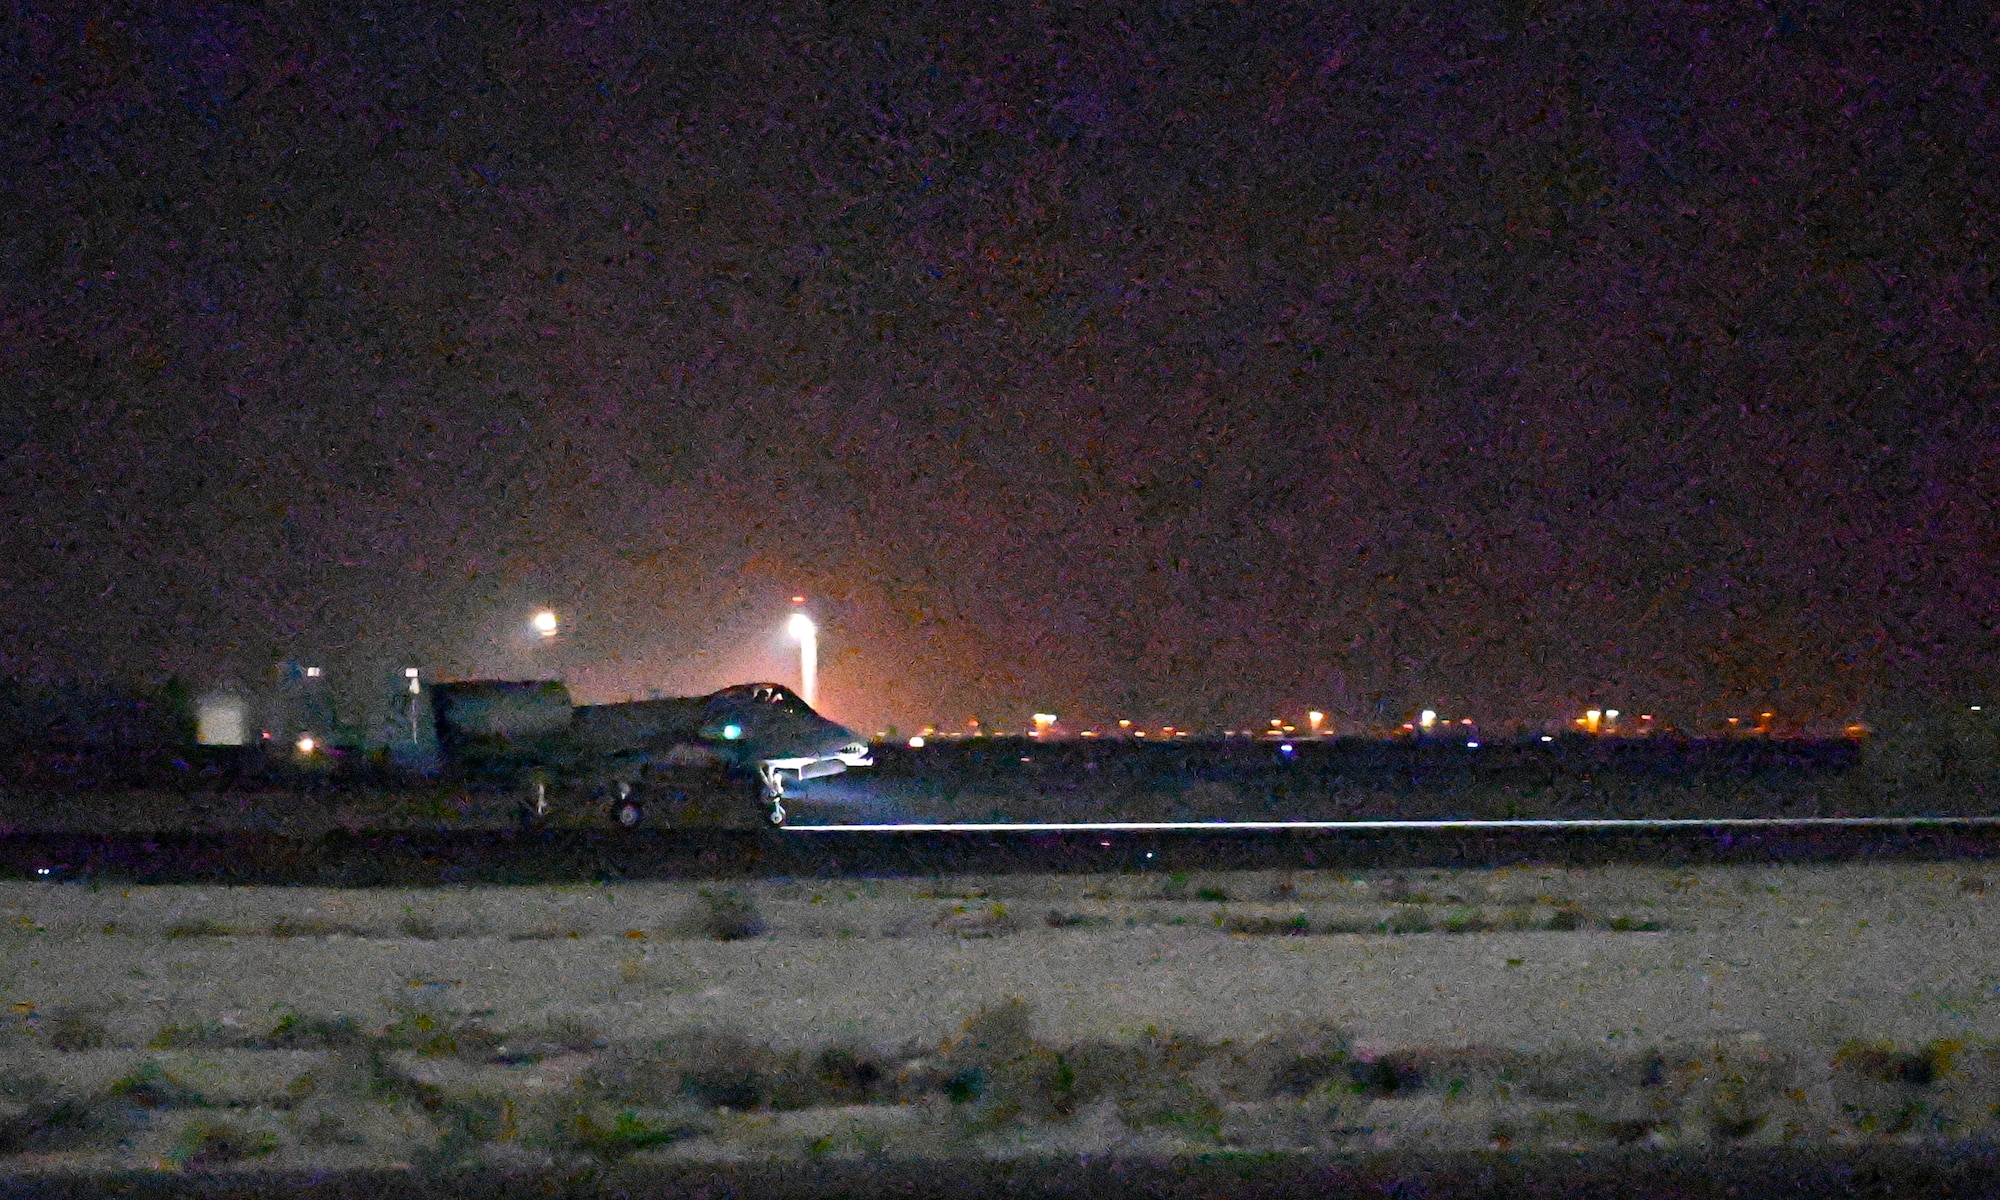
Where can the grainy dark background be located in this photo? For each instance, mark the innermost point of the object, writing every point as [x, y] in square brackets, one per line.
[1174, 361]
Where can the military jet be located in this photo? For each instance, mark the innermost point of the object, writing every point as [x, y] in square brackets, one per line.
[627, 753]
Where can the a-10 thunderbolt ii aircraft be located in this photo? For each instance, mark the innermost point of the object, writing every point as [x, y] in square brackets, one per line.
[750, 740]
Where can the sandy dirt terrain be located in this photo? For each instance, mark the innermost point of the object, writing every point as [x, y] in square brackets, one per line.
[197, 1027]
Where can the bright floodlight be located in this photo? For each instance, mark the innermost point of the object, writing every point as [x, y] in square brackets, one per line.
[802, 628]
[222, 721]
[306, 744]
[1427, 718]
[917, 743]
[545, 623]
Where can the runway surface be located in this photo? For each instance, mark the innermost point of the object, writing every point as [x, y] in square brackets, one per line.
[1876, 1170]
[440, 856]
[1525, 824]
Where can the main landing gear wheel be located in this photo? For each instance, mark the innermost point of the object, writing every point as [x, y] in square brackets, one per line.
[536, 806]
[626, 812]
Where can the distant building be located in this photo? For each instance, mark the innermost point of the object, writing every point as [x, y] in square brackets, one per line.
[301, 704]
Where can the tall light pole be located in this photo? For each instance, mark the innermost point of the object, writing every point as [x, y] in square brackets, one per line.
[802, 628]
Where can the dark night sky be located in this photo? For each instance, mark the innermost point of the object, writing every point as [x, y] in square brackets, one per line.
[1176, 361]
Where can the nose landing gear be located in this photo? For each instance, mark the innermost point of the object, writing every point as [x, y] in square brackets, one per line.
[774, 794]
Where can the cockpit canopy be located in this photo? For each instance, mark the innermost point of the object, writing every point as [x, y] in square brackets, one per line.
[772, 696]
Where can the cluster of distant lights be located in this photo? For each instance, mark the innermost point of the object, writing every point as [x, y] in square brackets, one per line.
[1044, 727]
[545, 624]
[1428, 723]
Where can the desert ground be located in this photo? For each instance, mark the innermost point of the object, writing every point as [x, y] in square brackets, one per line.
[178, 1028]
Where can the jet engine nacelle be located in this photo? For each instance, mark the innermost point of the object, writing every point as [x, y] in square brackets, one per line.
[491, 718]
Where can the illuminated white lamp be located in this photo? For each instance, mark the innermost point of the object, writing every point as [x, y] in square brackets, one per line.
[411, 674]
[1313, 719]
[1427, 718]
[312, 672]
[544, 623]
[917, 743]
[306, 744]
[1547, 738]
[806, 633]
